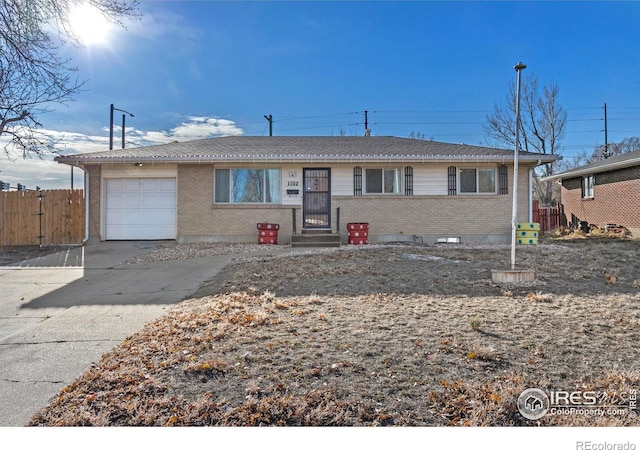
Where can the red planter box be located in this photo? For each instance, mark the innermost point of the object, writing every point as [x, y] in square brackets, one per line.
[268, 233]
[362, 226]
[358, 233]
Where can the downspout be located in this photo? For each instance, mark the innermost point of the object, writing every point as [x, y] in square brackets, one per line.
[531, 195]
[86, 206]
[531, 190]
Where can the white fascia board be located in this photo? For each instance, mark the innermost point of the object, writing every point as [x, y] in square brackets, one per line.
[593, 170]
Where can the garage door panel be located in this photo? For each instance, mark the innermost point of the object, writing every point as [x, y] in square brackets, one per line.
[128, 185]
[161, 200]
[138, 209]
[166, 185]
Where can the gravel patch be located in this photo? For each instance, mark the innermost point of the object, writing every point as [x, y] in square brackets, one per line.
[174, 252]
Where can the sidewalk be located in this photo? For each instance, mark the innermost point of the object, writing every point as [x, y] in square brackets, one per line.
[59, 313]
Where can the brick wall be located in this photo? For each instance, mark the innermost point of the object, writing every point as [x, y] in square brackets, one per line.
[199, 219]
[616, 199]
[473, 217]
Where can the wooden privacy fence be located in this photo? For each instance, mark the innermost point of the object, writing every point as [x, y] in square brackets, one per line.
[53, 217]
[549, 217]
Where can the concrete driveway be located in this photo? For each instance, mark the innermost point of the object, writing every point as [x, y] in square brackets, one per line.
[61, 312]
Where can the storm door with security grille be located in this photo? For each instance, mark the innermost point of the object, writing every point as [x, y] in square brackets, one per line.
[316, 203]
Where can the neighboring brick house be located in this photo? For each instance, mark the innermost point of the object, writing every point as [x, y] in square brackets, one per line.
[219, 189]
[603, 192]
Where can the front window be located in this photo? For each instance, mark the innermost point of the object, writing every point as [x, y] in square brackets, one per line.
[383, 181]
[247, 186]
[477, 181]
[587, 187]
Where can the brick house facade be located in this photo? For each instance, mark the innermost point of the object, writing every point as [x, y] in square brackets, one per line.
[603, 192]
[404, 188]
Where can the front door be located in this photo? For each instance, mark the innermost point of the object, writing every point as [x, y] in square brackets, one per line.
[316, 203]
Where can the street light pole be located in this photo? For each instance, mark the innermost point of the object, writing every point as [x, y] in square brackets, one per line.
[514, 218]
[112, 109]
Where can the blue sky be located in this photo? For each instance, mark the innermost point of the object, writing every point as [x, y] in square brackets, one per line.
[197, 69]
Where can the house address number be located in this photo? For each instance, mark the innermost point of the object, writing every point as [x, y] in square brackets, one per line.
[292, 183]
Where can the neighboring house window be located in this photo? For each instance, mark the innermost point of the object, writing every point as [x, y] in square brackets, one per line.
[247, 186]
[383, 181]
[477, 181]
[587, 186]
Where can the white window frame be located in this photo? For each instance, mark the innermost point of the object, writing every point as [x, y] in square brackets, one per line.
[477, 169]
[587, 186]
[400, 177]
[264, 192]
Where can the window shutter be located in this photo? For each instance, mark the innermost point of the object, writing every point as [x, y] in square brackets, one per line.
[408, 180]
[452, 180]
[357, 180]
[503, 181]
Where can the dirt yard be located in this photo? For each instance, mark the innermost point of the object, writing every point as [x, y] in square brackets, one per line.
[387, 335]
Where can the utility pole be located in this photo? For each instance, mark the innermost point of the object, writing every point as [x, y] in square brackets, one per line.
[111, 110]
[270, 120]
[123, 128]
[367, 131]
[606, 138]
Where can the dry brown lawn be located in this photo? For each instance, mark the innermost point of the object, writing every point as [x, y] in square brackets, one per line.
[392, 335]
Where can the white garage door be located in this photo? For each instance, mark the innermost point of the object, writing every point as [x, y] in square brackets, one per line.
[140, 208]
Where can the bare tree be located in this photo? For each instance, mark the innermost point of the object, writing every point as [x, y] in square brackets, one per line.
[630, 144]
[33, 74]
[543, 122]
[420, 136]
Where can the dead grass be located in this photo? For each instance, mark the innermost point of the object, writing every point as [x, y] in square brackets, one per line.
[376, 337]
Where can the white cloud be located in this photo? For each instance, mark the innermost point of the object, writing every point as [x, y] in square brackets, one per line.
[44, 173]
[192, 129]
[47, 174]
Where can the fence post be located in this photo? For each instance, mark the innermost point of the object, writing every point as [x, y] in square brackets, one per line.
[40, 214]
[549, 211]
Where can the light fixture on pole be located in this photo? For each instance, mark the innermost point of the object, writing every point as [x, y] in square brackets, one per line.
[514, 218]
[111, 125]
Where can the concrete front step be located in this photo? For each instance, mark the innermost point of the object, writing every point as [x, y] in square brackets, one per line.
[310, 239]
[316, 231]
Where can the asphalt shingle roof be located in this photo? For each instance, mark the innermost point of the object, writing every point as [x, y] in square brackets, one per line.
[614, 162]
[294, 148]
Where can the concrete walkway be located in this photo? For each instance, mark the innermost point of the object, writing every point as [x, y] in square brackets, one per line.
[59, 313]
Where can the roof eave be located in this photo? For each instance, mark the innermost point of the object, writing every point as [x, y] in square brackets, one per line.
[593, 170]
[71, 160]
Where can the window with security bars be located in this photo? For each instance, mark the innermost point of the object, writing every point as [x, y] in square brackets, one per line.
[451, 180]
[503, 182]
[408, 180]
[357, 180]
